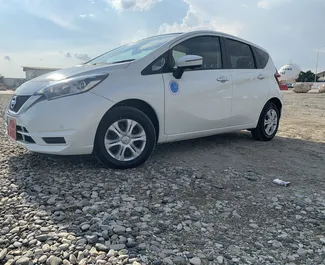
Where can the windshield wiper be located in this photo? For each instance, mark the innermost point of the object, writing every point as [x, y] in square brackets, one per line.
[123, 61]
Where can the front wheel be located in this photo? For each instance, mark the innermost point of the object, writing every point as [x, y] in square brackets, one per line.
[125, 138]
[268, 123]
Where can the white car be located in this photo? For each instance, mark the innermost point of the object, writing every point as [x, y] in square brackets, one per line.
[165, 88]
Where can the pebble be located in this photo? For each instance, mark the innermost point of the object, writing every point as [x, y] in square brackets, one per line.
[23, 261]
[101, 247]
[195, 261]
[220, 259]
[3, 253]
[42, 259]
[53, 260]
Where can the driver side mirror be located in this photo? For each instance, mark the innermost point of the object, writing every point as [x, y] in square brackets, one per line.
[187, 62]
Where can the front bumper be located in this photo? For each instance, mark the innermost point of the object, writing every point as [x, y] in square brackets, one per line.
[41, 126]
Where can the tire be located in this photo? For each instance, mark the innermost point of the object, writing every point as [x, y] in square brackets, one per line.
[263, 132]
[125, 149]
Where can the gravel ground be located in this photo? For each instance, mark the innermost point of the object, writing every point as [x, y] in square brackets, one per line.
[204, 201]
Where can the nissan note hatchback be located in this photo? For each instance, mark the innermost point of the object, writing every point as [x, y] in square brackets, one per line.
[165, 88]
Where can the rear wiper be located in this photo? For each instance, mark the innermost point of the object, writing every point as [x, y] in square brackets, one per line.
[123, 61]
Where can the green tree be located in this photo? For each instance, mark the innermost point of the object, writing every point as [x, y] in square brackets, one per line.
[308, 76]
[1, 78]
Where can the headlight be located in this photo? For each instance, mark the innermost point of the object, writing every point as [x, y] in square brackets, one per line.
[71, 86]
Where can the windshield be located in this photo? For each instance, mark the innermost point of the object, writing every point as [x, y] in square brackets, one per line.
[133, 51]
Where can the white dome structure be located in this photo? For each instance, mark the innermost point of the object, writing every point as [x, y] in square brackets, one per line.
[289, 72]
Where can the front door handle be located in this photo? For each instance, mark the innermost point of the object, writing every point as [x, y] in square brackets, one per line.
[222, 79]
[261, 77]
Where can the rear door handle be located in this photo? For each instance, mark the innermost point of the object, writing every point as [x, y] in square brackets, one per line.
[222, 79]
[261, 77]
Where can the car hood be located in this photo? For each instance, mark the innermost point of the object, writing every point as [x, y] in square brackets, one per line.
[35, 84]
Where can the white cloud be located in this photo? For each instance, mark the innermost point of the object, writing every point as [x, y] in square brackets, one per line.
[133, 4]
[82, 56]
[195, 21]
[85, 15]
[268, 4]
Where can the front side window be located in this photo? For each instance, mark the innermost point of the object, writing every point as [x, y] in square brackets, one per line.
[133, 51]
[208, 47]
[240, 55]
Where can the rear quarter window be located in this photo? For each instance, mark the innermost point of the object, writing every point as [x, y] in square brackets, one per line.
[262, 58]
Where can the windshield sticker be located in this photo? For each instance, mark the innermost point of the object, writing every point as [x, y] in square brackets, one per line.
[174, 87]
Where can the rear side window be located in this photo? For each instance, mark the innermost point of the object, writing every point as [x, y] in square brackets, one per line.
[262, 58]
[240, 55]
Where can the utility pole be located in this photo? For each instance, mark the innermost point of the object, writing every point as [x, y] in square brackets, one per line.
[317, 62]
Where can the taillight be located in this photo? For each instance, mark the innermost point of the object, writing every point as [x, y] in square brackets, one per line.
[277, 76]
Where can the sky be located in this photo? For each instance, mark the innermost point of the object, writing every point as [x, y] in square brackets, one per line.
[63, 33]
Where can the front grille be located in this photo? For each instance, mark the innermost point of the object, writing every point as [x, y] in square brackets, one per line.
[17, 102]
[22, 135]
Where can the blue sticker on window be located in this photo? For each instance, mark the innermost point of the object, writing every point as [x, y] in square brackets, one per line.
[174, 87]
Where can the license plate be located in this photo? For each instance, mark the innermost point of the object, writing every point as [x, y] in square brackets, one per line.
[12, 128]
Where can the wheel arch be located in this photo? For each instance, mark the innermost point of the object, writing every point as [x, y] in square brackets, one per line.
[277, 103]
[143, 106]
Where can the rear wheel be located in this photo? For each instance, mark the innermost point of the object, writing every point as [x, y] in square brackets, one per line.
[125, 138]
[268, 123]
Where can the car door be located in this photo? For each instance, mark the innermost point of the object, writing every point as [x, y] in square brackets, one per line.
[201, 99]
[250, 85]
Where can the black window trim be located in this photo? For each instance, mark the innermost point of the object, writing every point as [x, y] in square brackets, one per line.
[228, 55]
[169, 53]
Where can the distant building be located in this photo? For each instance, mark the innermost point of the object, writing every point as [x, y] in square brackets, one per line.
[321, 76]
[12, 83]
[32, 72]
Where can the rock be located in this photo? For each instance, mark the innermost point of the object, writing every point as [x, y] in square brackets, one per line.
[3, 253]
[22, 261]
[233, 250]
[321, 89]
[92, 239]
[73, 259]
[301, 88]
[64, 247]
[178, 260]
[85, 227]
[81, 242]
[46, 248]
[17, 244]
[195, 261]
[168, 261]
[42, 238]
[301, 252]
[220, 259]
[276, 244]
[101, 247]
[118, 247]
[142, 246]
[119, 229]
[53, 260]
[253, 225]
[42, 259]
[51, 201]
[65, 262]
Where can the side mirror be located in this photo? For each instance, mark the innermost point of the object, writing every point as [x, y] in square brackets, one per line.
[187, 62]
